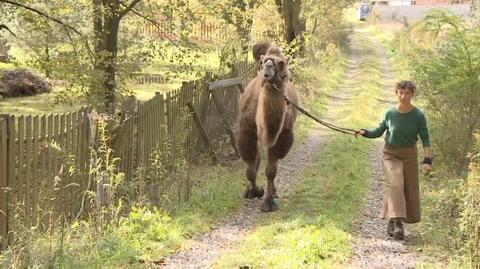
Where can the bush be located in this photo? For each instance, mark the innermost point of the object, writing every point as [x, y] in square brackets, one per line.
[448, 76]
[470, 215]
[21, 82]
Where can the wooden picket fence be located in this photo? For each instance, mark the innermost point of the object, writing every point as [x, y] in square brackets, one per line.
[206, 31]
[203, 31]
[145, 78]
[45, 159]
[34, 155]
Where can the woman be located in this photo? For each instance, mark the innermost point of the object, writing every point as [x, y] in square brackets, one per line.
[403, 123]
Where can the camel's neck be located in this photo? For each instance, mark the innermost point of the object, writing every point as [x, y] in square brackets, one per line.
[270, 113]
[271, 99]
[274, 90]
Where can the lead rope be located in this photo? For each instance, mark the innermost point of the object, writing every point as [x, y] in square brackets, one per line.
[324, 123]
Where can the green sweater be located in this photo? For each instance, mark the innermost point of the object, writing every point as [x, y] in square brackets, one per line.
[403, 129]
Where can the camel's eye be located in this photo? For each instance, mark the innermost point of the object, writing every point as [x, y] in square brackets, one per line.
[281, 65]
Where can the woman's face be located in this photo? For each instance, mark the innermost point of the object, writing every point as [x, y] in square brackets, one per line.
[404, 96]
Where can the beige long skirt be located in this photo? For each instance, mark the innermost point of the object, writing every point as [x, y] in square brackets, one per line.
[402, 199]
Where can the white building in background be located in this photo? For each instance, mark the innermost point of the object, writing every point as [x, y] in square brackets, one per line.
[400, 3]
[418, 2]
[392, 2]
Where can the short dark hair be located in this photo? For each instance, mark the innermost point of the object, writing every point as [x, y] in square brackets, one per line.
[405, 84]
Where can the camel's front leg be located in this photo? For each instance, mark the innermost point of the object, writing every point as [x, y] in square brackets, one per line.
[248, 148]
[278, 151]
[253, 190]
[269, 203]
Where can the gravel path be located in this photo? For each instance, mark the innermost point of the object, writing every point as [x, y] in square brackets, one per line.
[372, 247]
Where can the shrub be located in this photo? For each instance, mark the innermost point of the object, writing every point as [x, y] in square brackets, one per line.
[470, 215]
[448, 75]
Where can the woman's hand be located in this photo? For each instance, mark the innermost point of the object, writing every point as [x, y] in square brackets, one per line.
[427, 168]
[361, 132]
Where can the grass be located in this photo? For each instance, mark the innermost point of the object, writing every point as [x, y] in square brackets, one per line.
[387, 34]
[6, 66]
[147, 234]
[201, 62]
[313, 100]
[38, 104]
[146, 91]
[313, 228]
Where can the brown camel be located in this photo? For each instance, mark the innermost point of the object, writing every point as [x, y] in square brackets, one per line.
[267, 120]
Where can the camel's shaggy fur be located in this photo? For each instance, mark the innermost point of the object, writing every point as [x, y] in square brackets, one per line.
[266, 119]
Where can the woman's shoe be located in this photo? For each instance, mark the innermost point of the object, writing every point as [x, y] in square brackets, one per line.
[398, 232]
[390, 228]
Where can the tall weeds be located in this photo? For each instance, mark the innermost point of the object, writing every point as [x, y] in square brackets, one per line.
[470, 211]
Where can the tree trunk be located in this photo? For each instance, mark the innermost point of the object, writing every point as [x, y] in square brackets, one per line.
[98, 27]
[47, 60]
[106, 23]
[244, 21]
[110, 63]
[294, 26]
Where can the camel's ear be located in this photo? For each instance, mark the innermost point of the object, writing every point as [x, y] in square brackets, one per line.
[261, 59]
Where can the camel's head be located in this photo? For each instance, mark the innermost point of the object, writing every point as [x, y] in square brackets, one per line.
[274, 65]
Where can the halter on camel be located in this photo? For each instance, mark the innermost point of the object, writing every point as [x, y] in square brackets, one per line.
[281, 77]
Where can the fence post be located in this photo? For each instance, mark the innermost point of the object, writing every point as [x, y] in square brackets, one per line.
[3, 181]
[226, 121]
[7, 170]
[202, 131]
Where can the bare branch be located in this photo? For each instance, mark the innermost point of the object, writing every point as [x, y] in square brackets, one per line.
[315, 24]
[43, 14]
[71, 40]
[3, 26]
[128, 8]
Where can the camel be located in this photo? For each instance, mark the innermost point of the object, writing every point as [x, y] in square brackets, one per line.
[266, 120]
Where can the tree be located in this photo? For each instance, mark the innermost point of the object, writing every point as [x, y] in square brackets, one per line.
[239, 14]
[42, 41]
[294, 24]
[107, 15]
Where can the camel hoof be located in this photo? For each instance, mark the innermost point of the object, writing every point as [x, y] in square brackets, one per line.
[275, 194]
[269, 204]
[251, 193]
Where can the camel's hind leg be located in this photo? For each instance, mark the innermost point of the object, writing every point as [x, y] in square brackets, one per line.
[249, 152]
[278, 151]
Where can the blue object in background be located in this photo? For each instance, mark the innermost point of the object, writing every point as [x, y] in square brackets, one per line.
[363, 11]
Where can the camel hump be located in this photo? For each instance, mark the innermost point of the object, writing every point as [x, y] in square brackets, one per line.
[260, 49]
[277, 51]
